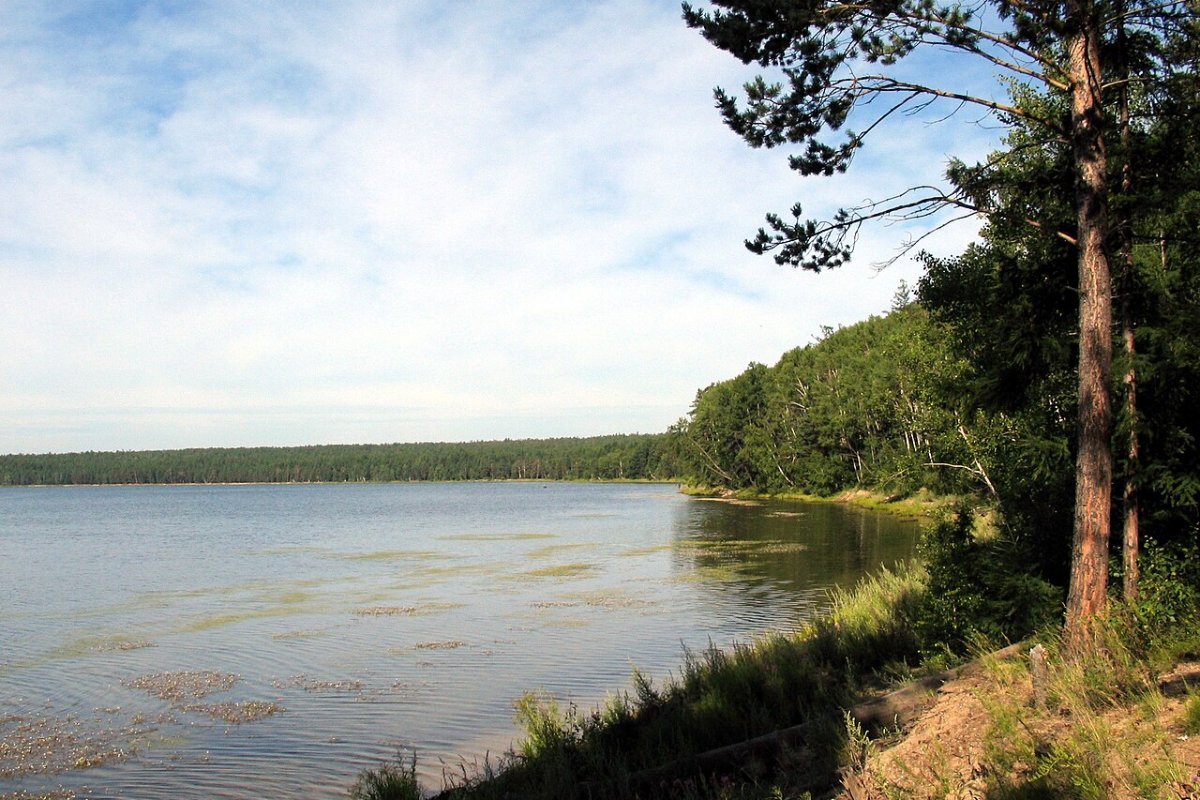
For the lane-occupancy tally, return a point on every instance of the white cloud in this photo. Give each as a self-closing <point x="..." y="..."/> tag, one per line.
<point x="301" y="223"/>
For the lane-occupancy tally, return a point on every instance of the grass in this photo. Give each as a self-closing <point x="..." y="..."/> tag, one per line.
<point x="1104" y="730"/>
<point x="718" y="697"/>
<point x="1191" y="715"/>
<point x="921" y="503"/>
<point x="388" y="781"/>
<point x="1084" y="743"/>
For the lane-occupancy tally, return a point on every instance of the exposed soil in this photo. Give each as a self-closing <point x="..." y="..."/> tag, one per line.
<point x="950" y="751"/>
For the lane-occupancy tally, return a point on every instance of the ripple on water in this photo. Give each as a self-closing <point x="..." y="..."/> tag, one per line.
<point x="389" y="633"/>
<point x="50" y="745"/>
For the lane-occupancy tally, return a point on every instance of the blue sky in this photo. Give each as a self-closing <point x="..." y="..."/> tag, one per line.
<point x="230" y="223"/>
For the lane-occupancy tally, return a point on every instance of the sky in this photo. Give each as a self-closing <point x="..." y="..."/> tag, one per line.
<point x="286" y="223"/>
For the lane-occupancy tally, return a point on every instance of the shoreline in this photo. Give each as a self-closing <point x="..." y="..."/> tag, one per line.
<point x="921" y="504"/>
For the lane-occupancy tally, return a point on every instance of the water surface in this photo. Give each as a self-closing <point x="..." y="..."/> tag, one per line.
<point x="252" y="641"/>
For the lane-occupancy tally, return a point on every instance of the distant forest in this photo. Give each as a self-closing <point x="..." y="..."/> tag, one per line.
<point x="623" y="457"/>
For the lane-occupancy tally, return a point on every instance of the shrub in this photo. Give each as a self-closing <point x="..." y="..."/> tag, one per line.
<point x="1167" y="611"/>
<point x="979" y="588"/>
<point x="388" y="781"/>
<point x="1191" y="715"/>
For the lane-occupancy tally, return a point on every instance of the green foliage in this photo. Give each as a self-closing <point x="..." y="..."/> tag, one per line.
<point x="1014" y="304"/>
<point x="388" y="781"/>
<point x="862" y="407"/>
<point x="1080" y="743"/>
<point x="1191" y="715"/>
<point x="623" y="457"/>
<point x="978" y="587"/>
<point x="1166" y="615"/>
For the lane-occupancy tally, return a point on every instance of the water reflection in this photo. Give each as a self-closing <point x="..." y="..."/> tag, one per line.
<point x="779" y="552"/>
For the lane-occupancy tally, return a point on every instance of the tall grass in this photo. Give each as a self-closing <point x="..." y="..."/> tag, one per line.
<point x="1099" y="733"/>
<point x="719" y="697"/>
<point x="1095" y="732"/>
<point x="1191" y="715"/>
<point x="388" y="781"/>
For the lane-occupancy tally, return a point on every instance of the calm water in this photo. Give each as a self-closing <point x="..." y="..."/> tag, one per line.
<point x="370" y="619"/>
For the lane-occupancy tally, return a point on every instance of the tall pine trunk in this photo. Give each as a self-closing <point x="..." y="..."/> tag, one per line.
<point x="1093" y="464"/>
<point x="1130" y="530"/>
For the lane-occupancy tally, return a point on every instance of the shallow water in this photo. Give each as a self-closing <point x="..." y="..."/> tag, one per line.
<point x="252" y="641"/>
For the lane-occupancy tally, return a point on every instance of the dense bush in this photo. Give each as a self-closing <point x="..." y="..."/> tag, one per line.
<point x="1166" y="613"/>
<point x="979" y="587"/>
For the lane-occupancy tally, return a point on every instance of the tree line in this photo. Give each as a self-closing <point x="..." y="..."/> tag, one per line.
<point x="1091" y="216"/>
<point x="619" y="457"/>
<point x="863" y="407"/>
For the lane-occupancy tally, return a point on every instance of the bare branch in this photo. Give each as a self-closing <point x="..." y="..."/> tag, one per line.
<point x="1002" y="63"/>
<point x="880" y="83"/>
<point x="911" y="244"/>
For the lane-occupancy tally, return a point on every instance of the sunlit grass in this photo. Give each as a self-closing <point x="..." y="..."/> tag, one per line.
<point x="1098" y="734"/>
<point x="1191" y="715"/>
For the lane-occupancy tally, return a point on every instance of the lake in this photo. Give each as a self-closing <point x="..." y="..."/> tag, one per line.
<point x="255" y="641"/>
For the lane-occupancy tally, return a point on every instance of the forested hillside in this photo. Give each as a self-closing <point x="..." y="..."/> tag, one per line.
<point x="628" y="457"/>
<point x="868" y="405"/>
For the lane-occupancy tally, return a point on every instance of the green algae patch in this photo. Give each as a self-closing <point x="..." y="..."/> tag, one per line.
<point x="351" y="685"/>
<point x="443" y="572"/>
<point x="293" y="597"/>
<point x="648" y="550"/>
<point x="385" y="611"/>
<point x="391" y="555"/>
<point x="497" y="537"/>
<point x="611" y="601"/>
<point x="776" y="548"/>
<point x="708" y="575"/>
<point x="406" y="611"/>
<point x="562" y="571"/>
<point x="51" y="745"/>
<point x="122" y="645"/>
<point x="552" y="550"/>
<point x="214" y="621"/>
<point x="306" y="633"/>
<point x="739" y="547"/>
